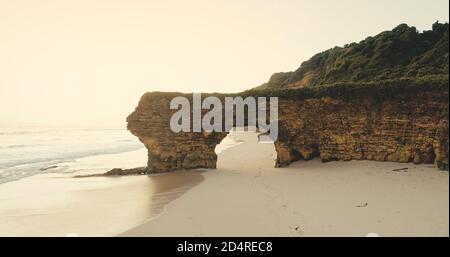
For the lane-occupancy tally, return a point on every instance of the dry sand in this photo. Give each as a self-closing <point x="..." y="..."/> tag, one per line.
<point x="245" y="196"/>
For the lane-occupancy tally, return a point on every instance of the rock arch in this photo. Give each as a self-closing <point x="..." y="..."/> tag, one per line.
<point x="400" y="128"/>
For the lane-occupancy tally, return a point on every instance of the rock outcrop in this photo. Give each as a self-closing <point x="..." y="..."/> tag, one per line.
<point x="401" y="127"/>
<point x="167" y="150"/>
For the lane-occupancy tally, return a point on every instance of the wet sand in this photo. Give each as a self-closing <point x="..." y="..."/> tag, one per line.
<point x="59" y="205"/>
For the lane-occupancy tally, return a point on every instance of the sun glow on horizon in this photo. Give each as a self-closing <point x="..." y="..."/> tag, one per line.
<point x="88" y="62"/>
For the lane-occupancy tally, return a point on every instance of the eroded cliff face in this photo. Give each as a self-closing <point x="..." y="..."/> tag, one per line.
<point x="398" y="129"/>
<point x="411" y="128"/>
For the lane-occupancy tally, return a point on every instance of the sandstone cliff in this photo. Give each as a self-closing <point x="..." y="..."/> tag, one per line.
<point x="406" y="125"/>
<point x="411" y="129"/>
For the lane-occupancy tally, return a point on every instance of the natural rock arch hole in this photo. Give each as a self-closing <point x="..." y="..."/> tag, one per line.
<point x="248" y="154"/>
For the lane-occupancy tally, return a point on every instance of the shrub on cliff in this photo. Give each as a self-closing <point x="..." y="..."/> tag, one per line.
<point x="381" y="89"/>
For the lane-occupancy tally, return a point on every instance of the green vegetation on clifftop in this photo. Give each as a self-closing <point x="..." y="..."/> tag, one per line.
<point x="403" y="53"/>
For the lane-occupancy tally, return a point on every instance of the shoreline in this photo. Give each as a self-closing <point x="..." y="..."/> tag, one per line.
<point x="60" y="204"/>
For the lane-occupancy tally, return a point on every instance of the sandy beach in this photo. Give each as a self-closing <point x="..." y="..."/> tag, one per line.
<point x="244" y="196"/>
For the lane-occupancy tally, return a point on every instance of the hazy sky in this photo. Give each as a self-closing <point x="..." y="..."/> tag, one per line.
<point x="88" y="62"/>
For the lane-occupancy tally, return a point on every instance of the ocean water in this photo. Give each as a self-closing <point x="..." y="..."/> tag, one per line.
<point x="29" y="151"/>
